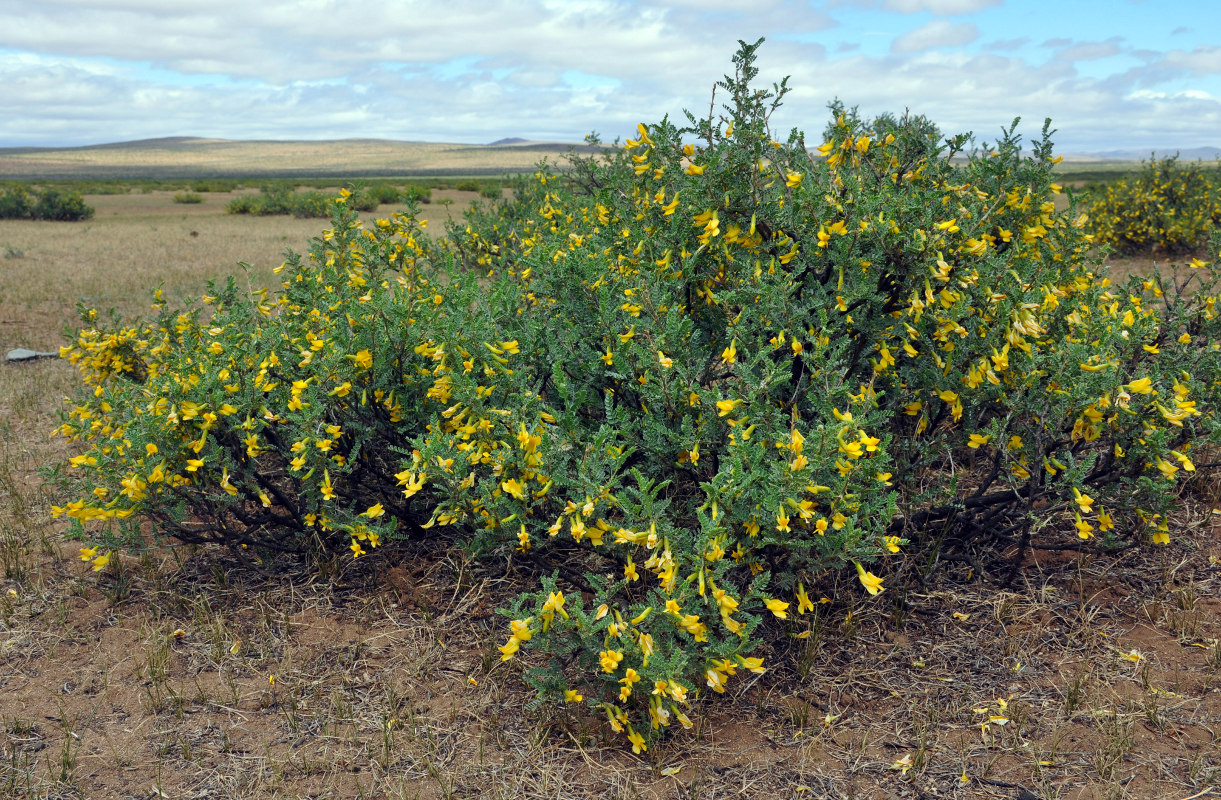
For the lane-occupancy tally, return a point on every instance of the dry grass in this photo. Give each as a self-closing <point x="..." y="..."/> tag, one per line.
<point x="1096" y="677"/>
<point x="207" y="157"/>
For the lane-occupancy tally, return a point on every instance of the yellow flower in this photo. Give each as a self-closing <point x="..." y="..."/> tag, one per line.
<point x="521" y="629"/>
<point x="88" y="553"/>
<point x="664" y="360"/>
<point x="514" y="488"/>
<point x="630" y="572"/>
<point x="374" y="511"/>
<point x="804" y="603"/>
<point x="104" y="559"/>
<point x="871" y="582"/>
<point x="509" y="648"/>
<point x="1084" y="529"/>
<point x="610" y="660"/>
<point x="363" y="359"/>
<point x="777" y="607"/>
<point x="572" y="696"/>
<point x="638" y="745"/>
<point x="726" y="407"/>
<point x="977" y="440"/>
<point x="692" y="169"/>
<point x="1140" y="386"/>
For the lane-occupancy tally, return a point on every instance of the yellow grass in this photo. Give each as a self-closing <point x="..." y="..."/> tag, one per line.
<point x="215" y="156"/>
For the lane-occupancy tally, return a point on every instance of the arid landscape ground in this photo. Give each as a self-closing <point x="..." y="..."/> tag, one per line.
<point x="182" y="673"/>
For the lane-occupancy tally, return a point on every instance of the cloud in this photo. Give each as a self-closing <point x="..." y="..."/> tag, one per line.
<point x="1200" y="61"/>
<point x="1007" y="44"/>
<point x="937" y="7"/>
<point x="940" y="7"/>
<point x="939" y="33"/>
<point x="1089" y="51"/>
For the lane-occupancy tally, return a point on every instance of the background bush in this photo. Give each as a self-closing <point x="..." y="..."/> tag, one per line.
<point x="18" y="202"/>
<point x="188" y="198"/>
<point x="1168" y="206"/>
<point x="697" y="382"/>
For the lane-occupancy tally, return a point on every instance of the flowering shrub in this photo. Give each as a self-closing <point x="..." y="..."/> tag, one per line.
<point x="1168" y="206"/>
<point x="691" y="379"/>
<point x="18" y="202"/>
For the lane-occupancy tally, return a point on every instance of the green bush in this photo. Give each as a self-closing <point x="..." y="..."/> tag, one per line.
<point x="18" y="202"/>
<point x="312" y="204"/>
<point x="214" y="185"/>
<point x="188" y="198"/>
<point x="278" y="199"/>
<point x="414" y="193"/>
<point x="383" y="193"/>
<point x="243" y="204"/>
<point x="694" y="381"/>
<point x="1168" y="206"/>
<point x="468" y="186"/>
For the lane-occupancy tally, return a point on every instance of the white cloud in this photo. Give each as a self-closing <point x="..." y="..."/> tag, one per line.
<point x="1089" y="51"/>
<point x="1198" y="61"/>
<point x="939" y="33"/>
<point x="945" y="7"/>
<point x="938" y="7"/>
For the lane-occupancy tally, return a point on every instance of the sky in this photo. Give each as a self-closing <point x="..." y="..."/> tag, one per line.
<point x="1112" y="74"/>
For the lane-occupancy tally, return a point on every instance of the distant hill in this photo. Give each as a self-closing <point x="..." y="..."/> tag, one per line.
<point x="1186" y="154"/>
<point x="193" y="157"/>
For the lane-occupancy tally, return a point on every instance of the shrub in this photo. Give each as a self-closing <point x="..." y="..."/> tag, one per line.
<point x="693" y="380"/>
<point x="1168" y="206"/>
<point x="414" y="193"/>
<point x="243" y="204"/>
<point x="18" y="202"/>
<point x="188" y="198"/>
<point x="468" y="186"/>
<point x="383" y="193"/>
<point x="312" y="204"/>
<point x="214" y="185"/>
<point x="280" y="199"/>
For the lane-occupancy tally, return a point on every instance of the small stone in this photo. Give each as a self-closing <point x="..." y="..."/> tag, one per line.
<point x="22" y="354"/>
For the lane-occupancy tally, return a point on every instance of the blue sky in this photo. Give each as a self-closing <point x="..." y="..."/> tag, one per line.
<point x="1122" y="74"/>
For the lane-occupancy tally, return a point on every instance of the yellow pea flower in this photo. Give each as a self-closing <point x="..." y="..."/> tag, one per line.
<point x="777" y="607"/>
<point x="871" y="582"/>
